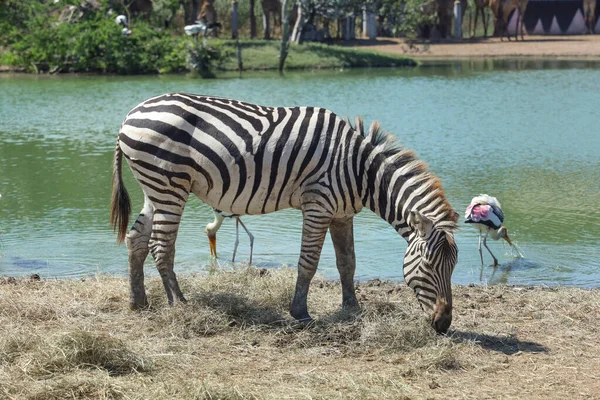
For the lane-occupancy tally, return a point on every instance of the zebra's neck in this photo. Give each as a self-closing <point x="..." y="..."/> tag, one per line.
<point x="395" y="183"/>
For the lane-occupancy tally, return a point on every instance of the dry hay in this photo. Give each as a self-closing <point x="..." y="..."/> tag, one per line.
<point x="235" y="339"/>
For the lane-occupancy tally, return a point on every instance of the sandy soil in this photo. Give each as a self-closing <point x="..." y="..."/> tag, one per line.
<point x="585" y="46"/>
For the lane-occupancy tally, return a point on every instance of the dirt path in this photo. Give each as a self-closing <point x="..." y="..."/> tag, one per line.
<point x="585" y="46"/>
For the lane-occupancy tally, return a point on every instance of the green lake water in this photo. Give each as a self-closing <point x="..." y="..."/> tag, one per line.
<point x="526" y="132"/>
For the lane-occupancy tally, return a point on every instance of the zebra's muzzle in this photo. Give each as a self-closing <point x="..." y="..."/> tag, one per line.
<point x="441" y="323"/>
<point x="442" y="316"/>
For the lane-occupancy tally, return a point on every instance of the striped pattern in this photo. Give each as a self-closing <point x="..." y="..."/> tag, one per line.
<point x="249" y="159"/>
<point x="429" y="284"/>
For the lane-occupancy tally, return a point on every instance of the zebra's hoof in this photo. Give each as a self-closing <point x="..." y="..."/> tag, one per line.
<point x="139" y="305"/>
<point x="305" y="323"/>
<point x="301" y="316"/>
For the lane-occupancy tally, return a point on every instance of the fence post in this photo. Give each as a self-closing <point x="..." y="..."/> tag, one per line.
<point x="457" y="19"/>
<point x="234" y="19"/>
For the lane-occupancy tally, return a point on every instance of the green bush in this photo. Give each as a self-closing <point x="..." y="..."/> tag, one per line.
<point x="203" y="57"/>
<point x="98" y="46"/>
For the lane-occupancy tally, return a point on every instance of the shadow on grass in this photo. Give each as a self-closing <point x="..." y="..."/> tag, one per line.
<point x="507" y="345"/>
<point x="240" y="309"/>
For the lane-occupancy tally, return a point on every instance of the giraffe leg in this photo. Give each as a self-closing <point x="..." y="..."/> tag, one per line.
<point x="485" y="23"/>
<point x="314" y="228"/>
<point x="251" y="236"/>
<point x="162" y="245"/>
<point x="137" y="244"/>
<point x="488" y="249"/>
<point x="475" y="24"/>
<point x="342" y="235"/>
<point x="522" y="17"/>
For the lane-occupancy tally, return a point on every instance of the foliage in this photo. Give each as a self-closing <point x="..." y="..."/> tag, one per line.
<point x="76" y="36"/>
<point x="204" y="57"/>
<point x="163" y="11"/>
<point x="406" y="16"/>
<point x="94" y="46"/>
<point x="14" y="16"/>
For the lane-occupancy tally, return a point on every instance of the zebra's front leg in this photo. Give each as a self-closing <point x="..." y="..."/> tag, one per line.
<point x="342" y="235"/>
<point x="162" y="245"/>
<point x="314" y="228"/>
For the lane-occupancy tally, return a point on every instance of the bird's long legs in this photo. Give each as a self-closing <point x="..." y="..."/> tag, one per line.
<point x="238" y="222"/>
<point x="488" y="249"/>
<point x="237" y="238"/>
<point x="479" y="247"/>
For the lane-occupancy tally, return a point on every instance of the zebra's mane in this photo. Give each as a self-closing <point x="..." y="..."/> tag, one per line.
<point x="395" y="154"/>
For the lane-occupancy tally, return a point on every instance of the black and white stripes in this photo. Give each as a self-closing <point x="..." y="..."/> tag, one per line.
<point x="249" y="159"/>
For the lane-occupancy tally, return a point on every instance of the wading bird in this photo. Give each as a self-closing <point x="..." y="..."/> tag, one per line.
<point x="122" y="21"/>
<point x="485" y="213"/>
<point x="200" y="28"/>
<point x="213" y="227"/>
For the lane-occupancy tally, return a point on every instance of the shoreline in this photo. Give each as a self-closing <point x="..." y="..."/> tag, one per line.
<point x="584" y="48"/>
<point x="581" y="47"/>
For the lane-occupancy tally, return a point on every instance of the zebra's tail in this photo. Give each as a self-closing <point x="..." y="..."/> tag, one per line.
<point x="120" y="206"/>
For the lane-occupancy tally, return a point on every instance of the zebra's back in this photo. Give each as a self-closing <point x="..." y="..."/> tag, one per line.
<point x="235" y="156"/>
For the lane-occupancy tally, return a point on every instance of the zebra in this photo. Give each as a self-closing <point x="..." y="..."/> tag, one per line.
<point x="250" y="159"/>
<point x="213" y="227"/>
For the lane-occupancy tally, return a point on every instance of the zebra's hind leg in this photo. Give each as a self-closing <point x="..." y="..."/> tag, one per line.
<point x="314" y="228"/>
<point x="342" y="235"/>
<point x="162" y="245"/>
<point x="137" y="243"/>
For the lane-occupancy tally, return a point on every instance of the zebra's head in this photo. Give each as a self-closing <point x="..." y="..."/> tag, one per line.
<point x="428" y="265"/>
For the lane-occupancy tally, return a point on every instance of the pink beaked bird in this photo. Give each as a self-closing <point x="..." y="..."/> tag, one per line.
<point x="485" y="214"/>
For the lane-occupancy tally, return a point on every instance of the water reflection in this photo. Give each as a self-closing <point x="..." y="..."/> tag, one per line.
<point x="468" y="66"/>
<point x="506" y="128"/>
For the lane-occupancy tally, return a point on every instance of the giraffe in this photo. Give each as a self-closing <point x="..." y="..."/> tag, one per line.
<point x="521" y="7"/>
<point x="208" y="15"/>
<point x="501" y="10"/>
<point x="480" y="6"/>
<point x="271" y="7"/>
<point x="589" y="13"/>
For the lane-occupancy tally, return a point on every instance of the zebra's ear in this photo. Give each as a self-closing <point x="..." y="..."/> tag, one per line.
<point x="420" y="223"/>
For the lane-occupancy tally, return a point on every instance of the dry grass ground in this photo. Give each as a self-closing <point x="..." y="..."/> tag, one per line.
<point x="65" y="339"/>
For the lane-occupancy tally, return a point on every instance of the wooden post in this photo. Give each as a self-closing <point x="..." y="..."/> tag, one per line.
<point x="349" y="33"/>
<point x="369" y="24"/>
<point x="252" y="21"/>
<point x="285" y="33"/>
<point x="234" y="19"/>
<point x="457" y="19"/>
<point x="234" y="33"/>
